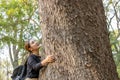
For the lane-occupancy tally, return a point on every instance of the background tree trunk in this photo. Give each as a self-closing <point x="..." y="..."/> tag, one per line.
<point x="76" y="32"/>
<point x="13" y="53"/>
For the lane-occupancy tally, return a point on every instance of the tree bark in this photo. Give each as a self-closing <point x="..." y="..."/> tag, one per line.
<point x="75" y="32"/>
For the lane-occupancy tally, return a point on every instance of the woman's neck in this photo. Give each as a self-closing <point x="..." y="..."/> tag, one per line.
<point x="36" y="52"/>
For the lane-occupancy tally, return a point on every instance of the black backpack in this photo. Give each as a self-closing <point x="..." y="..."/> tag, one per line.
<point x="19" y="73"/>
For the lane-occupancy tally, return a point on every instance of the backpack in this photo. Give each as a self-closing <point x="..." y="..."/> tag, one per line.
<point x="19" y="73"/>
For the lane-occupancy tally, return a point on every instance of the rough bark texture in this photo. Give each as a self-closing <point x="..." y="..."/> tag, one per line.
<point x="75" y="31"/>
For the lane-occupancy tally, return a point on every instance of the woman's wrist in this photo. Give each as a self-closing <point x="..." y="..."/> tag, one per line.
<point x="44" y="62"/>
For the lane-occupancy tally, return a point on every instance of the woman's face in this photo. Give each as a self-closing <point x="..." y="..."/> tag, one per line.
<point x="34" y="45"/>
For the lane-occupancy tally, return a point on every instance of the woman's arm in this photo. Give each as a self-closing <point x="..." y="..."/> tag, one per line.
<point x="48" y="59"/>
<point x="35" y="65"/>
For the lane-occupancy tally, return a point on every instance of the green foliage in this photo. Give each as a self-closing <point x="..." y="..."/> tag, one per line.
<point x="15" y="20"/>
<point x="118" y="70"/>
<point x="115" y="43"/>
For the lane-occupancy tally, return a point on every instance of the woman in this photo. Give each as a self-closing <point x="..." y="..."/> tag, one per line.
<point x="34" y="63"/>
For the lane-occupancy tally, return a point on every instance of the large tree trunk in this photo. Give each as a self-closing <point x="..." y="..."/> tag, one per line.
<point x="75" y="31"/>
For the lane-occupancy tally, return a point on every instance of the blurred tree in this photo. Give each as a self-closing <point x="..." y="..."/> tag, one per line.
<point x="18" y="22"/>
<point x="5" y="69"/>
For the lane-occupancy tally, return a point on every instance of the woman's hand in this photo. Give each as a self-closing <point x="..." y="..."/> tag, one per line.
<point x="48" y="59"/>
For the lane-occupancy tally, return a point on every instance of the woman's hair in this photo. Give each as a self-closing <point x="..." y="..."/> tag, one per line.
<point x="27" y="45"/>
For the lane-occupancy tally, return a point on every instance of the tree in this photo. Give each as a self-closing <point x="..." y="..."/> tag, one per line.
<point x="76" y="32"/>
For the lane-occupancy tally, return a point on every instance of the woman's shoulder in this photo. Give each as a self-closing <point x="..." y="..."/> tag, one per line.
<point x="30" y="56"/>
<point x="33" y="56"/>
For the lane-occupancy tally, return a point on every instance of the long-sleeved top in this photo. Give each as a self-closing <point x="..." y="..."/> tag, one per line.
<point x="33" y="66"/>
